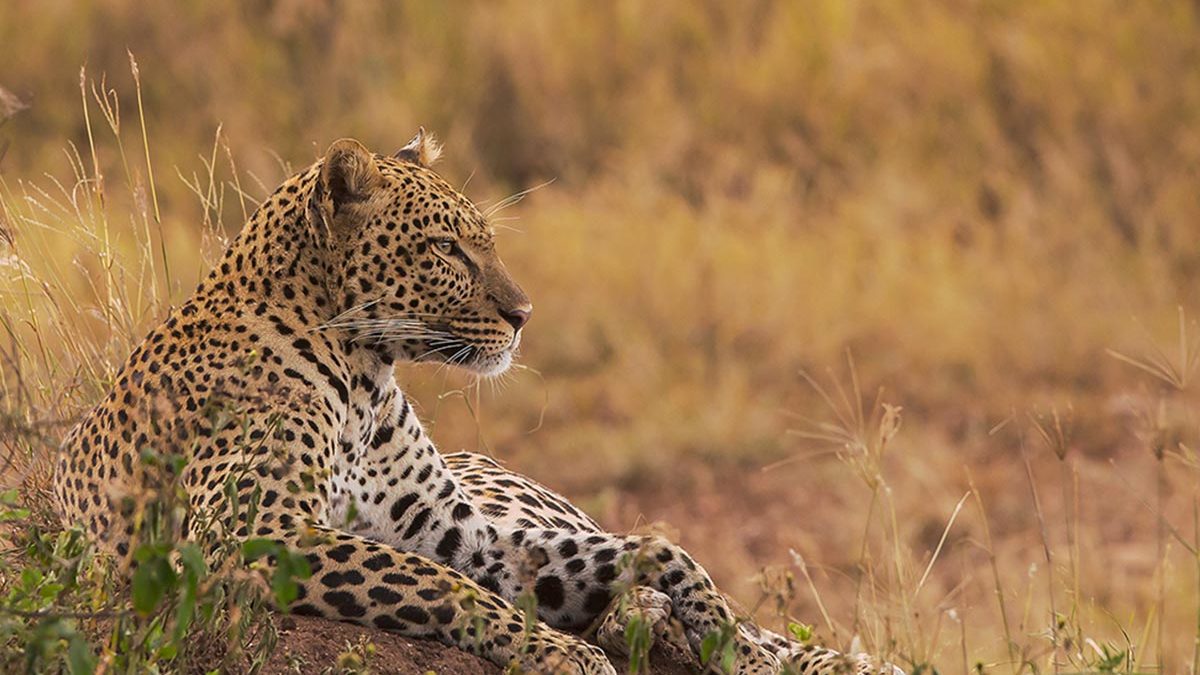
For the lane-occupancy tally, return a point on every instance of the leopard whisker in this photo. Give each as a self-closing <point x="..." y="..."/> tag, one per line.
<point x="354" y="309"/>
<point x="455" y="359"/>
<point x="449" y="344"/>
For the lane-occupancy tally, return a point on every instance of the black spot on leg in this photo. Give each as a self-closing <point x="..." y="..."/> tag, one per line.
<point x="384" y="595"/>
<point x="444" y="614"/>
<point x="568" y="548"/>
<point x="450" y="543"/>
<point x="307" y="610"/>
<point x="349" y="577"/>
<point x="401" y="579"/>
<point x="549" y="591"/>
<point x="606" y="573"/>
<point x="387" y="623"/>
<point x="341" y="553"/>
<point x="378" y="562"/>
<point x="344" y="603"/>
<point x="401" y="505"/>
<point x="671" y="579"/>
<point x="417" y="523"/>
<point x="430" y="594"/>
<point x="413" y="614"/>
<point x="596" y="601"/>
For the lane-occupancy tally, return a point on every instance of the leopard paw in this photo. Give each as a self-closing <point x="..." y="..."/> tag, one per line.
<point x="640" y="606"/>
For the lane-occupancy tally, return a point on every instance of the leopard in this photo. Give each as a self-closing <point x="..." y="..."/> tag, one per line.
<point x="275" y="381"/>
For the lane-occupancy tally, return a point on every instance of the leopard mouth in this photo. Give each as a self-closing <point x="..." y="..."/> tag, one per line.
<point x="455" y="350"/>
<point x="422" y="340"/>
<point x="452" y="350"/>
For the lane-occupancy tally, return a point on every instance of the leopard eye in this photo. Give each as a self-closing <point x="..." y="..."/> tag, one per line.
<point x="445" y="246"/>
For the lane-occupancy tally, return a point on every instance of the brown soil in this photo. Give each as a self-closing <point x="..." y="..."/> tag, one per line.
<point x="308" y="645"/>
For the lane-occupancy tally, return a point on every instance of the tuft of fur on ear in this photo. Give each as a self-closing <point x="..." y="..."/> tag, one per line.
<point x="349" y="172"/>
<point x="422" y="150"/>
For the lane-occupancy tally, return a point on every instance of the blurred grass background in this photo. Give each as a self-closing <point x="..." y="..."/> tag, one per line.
<point x="976" y="199"/>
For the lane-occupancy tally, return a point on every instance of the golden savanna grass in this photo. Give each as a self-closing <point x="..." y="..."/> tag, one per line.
<point x="893" y="299"/>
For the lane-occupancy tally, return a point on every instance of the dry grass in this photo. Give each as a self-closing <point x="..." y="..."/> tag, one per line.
<point x="993" y="206"/>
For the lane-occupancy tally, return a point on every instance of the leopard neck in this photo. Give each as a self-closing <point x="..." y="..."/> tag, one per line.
<point x="279" y="271"/>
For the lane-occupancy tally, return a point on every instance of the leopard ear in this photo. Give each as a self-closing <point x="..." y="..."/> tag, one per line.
<point x="422" y="150"/>
<point x="349" y="173"/>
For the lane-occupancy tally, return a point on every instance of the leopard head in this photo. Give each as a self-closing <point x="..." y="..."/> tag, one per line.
<point x="414" y="271"/>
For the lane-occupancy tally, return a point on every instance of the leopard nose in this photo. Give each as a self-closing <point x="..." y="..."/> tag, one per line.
<point x="517" y="317"/>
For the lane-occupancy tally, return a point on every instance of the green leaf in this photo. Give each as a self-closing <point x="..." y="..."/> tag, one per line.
<point x="193" y="569"/>
<point x="80" y="659"/>
<point x="637" y="638"/>
<point x="13" y="514"/>
<point x="193" y="560"/>
<point x="252" y="508"/>
<point x="288" y="567"/>
<point x="284" y="588"/>
<point x="728" y="656"/>
<point x="151" y="581"/>
<point x="148" y="552"/>
<point x="299" y="564"/>
<point x="253" y="549"/>
<point x="708" y="646"/>
<point x="801" y="631"/>
<point x="146" y="590"/>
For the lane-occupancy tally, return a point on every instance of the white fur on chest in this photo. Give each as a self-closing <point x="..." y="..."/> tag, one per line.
<point x="389" y="483"/>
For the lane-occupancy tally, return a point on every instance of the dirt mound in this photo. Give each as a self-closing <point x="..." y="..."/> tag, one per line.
<point x="308" y="645"/>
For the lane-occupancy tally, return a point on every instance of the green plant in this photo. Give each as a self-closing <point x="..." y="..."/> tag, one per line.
<point x="718" y="648"/>
<point x="355" y="659"/>
<point x="194" y="599"/>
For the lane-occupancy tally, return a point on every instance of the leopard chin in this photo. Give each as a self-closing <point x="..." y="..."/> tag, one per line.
<point x="492" y="365"/>
<point x="489" y="364"/>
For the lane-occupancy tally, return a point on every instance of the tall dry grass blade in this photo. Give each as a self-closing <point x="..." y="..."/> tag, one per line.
<point x="799" y="562"/>
<point x="941" y="542"/>
<point x="162" y="242"/>
<point x="1046" y="553"/>
<point x="1196" y="562"/>
<point x="1159" y="365"/>
<point x="1160" y="539"/>
<point x="1157" y="513"/>
<point x="997" y="586"/>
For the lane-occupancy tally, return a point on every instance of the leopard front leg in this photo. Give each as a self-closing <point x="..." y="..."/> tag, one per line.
<point x="577" y="576"/>
<point x="406" y="495"/>
<point x="360" y="581"/>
